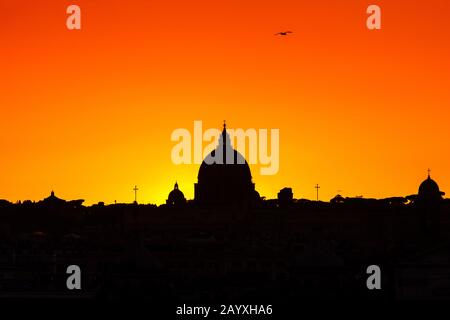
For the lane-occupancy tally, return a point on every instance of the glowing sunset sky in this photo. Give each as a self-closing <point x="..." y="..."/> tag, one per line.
<point x="89" y="113"/>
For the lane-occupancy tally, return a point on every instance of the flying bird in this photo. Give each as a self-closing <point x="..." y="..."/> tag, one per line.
<point x="283" y="33"/>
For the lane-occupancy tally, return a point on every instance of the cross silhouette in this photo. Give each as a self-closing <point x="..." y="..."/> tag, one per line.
<point x="317" y="187"/>
<point x="135" y="193"/>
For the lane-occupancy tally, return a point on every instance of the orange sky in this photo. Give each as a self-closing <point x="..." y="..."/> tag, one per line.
<point x="89" y="113"/>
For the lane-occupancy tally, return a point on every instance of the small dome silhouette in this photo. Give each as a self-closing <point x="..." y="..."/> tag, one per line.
<point x="429" y="189"/>
<point x="52" y="199"/>
<point x="176" y="197"/>
<point x="338" y="199"/>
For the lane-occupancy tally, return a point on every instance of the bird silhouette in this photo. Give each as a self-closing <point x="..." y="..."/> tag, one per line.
<point x="283" y="33"/>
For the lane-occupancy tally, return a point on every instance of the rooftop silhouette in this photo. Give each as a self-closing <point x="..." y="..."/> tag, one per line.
<point x="224" y="177"/>
<point x="228" y="243"/>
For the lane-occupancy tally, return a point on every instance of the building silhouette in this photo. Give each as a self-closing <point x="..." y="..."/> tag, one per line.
<point x="285" y="196"/>
<point x="429" y="190"/>
<point x="53" y="201"/>
<point x="428" y="202"/>
<point x="224" y="178"/>
<point x="176" y="197"/>
<point x="282" y="250"/>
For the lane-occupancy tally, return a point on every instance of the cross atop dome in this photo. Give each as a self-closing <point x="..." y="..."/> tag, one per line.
<point x="224" y="139"/>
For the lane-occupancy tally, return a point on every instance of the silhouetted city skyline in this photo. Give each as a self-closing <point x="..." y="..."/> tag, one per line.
<point x="121" y="182"/>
